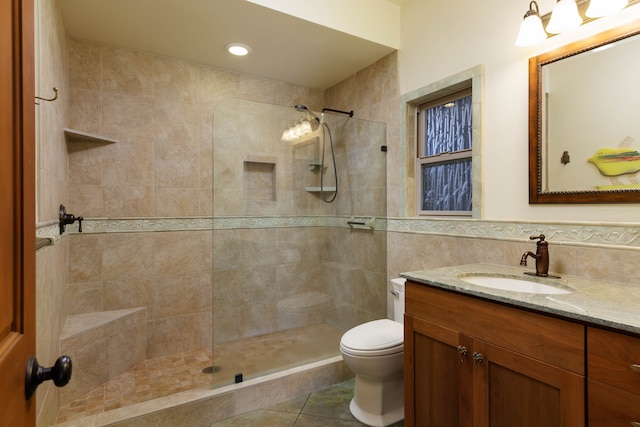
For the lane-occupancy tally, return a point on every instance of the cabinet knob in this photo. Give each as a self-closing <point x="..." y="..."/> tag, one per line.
<point x="462" y="351"/>
<point x="478" y="358"/>
<point x="635" y="368"/>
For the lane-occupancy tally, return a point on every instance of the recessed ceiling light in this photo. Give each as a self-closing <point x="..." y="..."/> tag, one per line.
<point x="238" y="49"/>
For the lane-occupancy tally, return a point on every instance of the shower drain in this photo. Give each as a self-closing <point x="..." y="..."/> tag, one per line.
<point x="211" y="369"/>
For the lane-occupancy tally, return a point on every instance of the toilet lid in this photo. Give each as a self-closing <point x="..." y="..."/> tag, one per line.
<point x="383" y="334"/>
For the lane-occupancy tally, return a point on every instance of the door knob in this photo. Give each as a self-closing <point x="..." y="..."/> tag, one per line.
<point x="60" y="373"/>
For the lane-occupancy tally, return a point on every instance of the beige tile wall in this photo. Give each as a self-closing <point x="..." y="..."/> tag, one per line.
<point x="161" y="110"/>
<point x="373" y="94"/>
<point x="169" y="273"/>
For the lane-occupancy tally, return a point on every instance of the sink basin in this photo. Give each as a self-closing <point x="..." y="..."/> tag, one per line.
<point x="514" y="284"/>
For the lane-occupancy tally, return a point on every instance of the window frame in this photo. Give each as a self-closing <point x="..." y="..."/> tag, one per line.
<point x="409" y="101"/>
<point x="440" y="158"/>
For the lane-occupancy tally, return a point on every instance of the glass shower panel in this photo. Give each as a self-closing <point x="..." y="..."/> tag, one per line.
<point x="289" y="274"/>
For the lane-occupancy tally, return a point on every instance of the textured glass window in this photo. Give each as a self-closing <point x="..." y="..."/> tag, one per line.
<point x="448" y="127"/>
<point x="444" y="158"/>
<point x="447" y="186"/>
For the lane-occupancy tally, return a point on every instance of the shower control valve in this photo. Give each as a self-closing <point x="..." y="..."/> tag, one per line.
<point x="67" y="219"/>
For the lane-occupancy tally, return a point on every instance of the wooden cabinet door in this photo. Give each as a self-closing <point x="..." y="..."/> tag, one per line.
<point x="17" y="210"/>
<point x="612" y="407"/>
<point x="437" y="376"/>
<point x="514" y="390"/>
<point x="613" y="361"/>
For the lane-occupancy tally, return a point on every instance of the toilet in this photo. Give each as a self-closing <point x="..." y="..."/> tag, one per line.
<point x="375" y="352"/>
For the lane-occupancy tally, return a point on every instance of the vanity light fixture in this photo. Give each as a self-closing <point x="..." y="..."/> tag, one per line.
<point x="531" y="31"/>
<point x="564" y="17"/>
<point x="238" y="49"/>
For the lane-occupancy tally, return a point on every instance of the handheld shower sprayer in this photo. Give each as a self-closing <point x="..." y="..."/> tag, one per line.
<point x="323" y="125"/>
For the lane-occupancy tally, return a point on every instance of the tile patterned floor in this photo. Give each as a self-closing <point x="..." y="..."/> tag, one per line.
<point x="163" y="376"/>
<point x="151" y="379"/>
<point x="274" y="352"/>
<point x="327" y="407"/>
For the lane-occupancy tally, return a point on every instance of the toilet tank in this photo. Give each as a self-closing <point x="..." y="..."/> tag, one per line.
<point x="397" y="291"/>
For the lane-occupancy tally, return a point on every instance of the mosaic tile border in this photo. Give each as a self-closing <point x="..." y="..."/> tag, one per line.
<point x="582" y="234"/>
<point x="623" y="235"/>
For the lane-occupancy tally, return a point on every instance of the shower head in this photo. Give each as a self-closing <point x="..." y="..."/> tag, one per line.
<point x="304" y="109"/>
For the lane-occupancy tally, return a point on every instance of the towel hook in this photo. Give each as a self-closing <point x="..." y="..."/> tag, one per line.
<point x="55" y="96"/>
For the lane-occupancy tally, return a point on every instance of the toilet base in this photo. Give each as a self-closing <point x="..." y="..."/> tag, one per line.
<point x="376" y="420"/>
<point x="378" y="403"/>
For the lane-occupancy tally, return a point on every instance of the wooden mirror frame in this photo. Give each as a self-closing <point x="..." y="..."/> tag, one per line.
<point x="536" y="195"/>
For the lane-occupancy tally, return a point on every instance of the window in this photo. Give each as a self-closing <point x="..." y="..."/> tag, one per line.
<point x="444" y="155"/>
<point x="415" y="152"/>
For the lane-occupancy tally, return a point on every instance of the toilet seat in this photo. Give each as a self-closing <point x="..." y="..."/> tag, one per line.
<point x="376" y="338"/>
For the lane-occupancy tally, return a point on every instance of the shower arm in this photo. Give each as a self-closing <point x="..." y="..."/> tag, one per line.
<point x="331" y="110"/>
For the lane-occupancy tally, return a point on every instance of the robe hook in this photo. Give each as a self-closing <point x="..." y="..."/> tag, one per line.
<point x="55" y="96"/>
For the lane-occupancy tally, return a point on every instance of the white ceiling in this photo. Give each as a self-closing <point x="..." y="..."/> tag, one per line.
<point x="284" y="47"/>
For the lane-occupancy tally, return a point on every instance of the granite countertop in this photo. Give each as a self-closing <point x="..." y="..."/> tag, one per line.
<point x="610" y="304"/>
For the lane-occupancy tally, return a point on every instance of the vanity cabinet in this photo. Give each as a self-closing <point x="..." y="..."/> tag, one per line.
<point x="613" y="364"/>
<point x="471" y="362"/>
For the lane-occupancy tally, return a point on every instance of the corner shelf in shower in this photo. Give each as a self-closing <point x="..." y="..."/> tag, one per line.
<point x="317" y="189"/>
<point x="73" y="135"/>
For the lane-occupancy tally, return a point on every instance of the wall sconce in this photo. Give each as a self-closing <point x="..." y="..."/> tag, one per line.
<point x="566" y="15"/>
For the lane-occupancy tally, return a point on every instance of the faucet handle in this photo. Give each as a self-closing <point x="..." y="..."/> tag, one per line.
<point x="541" y="237"/>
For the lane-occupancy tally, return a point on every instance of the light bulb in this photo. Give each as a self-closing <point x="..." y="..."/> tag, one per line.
<point x="564" y="17"/>
<point x="531" y="31"/>
<point x="306" y="127"/>
<point x="238" y="49"/>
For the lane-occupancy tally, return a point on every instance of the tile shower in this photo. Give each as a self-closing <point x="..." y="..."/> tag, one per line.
<point x="272" y="259"/>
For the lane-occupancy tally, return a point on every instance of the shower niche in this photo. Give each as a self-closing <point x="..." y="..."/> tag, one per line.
<point x="260" y="180"/>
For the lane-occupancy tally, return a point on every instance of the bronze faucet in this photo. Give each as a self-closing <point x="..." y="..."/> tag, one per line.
<point x="541" y="256"/>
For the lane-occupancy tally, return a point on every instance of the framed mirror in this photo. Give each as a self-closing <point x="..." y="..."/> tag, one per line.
<point x="584" y="120"/>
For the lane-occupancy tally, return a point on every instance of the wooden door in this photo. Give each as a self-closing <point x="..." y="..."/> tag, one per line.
<point x="511" y="389"/>
<point x="437" y="375"/>
<point x="17" y="210"/>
